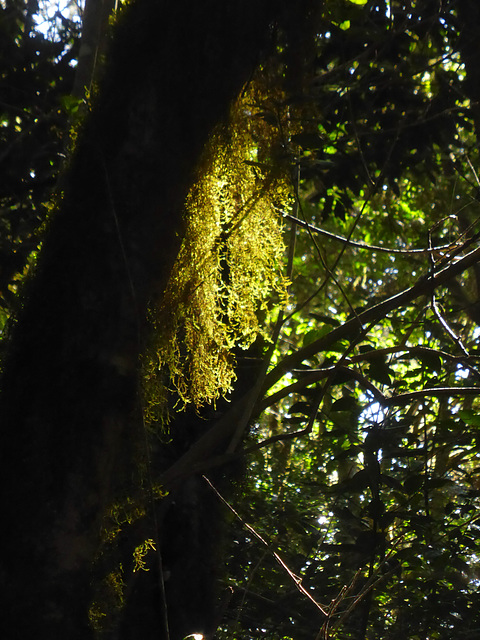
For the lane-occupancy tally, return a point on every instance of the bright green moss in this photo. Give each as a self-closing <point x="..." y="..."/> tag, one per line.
<point x="230" y="262"/>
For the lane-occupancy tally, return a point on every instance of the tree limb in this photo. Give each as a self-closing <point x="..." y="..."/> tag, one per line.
<point x="423" y="286"/>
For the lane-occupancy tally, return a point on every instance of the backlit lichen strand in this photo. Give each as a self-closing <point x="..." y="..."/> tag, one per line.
<point x="230" y="262"/>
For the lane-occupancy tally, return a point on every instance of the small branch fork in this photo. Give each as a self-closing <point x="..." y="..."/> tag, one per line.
<point x="371" y="583"/>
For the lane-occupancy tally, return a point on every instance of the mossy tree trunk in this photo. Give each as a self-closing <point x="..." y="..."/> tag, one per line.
<point x="96" y="15"/>
<point x="69" y="407"/>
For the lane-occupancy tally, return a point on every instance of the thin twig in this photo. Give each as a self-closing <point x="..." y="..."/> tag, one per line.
<point x="363" y="245"/>
<point x="373" y="315"/>
<point x="435" y="392"/>
<point x="296" y="580"/>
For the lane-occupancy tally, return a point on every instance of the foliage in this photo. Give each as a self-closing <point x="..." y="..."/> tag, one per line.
<point x="363" y="472"/>
<point x="36" y="76"/>
<point x="363" y="486"/>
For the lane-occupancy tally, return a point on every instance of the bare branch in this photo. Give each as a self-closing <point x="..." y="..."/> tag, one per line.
<point x="361" y="245"/>
<point x="296" y="580"/>
<point x="435" y="392"/>
<point x="373" y="315"/>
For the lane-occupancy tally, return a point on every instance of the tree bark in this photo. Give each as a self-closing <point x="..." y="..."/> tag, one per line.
<point x="469" y="25"/>
<point x="96" y="14"/>
<point x="69" y="408"/>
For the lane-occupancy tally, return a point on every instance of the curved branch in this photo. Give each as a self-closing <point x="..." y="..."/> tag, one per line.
<point x="435" y="392"/>
<point x="373" y="315"/>
<point x="314" y="375"/>
<point x="215" y="439"/>
<point x="360" y="245"/>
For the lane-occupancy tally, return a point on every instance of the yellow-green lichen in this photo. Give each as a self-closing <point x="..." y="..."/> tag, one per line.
<point x="108" y="602"/>
<point x="230" y="262"/>
<point x="140" y="553"/>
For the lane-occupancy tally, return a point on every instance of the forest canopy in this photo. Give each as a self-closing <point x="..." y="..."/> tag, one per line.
<point x="241" y="322"/>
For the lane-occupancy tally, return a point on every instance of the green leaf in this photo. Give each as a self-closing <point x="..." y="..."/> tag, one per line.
<point x="469" y="417"/>
<point x="315" y="334"/>
<point x="430" y="360"/>
<point x="326" y="319"/>
<point x="341" y="377"/>
<point x="303" y="408"/>
<point x="349" y="403"/>
<point x="380" y="372"/>
<point x="413" y="483"/>
<point x="70" y="103"/>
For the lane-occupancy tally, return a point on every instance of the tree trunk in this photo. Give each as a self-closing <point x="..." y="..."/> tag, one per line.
<point x="469" y="24"/>
<point x="96" y="14"/>
<point x="69" y="410"/>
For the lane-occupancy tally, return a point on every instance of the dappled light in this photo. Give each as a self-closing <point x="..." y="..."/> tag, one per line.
<point x="241" y="342"/>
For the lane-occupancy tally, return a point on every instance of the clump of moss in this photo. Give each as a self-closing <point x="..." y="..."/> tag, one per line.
<point x="230" y="262"/>
<point x="109" y="600"/>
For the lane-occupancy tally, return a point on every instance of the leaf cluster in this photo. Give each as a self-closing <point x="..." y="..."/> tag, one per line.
<point x="363" y="472"/>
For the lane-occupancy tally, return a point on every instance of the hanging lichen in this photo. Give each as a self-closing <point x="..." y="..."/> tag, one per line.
<point x="230" y="262"/>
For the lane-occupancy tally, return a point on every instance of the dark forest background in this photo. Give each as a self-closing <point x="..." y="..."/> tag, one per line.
<point x="325" y="482"/>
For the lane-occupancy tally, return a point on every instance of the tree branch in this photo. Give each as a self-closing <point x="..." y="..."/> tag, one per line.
<point x="435" y="392"/>
<point x="423" y="286"/>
